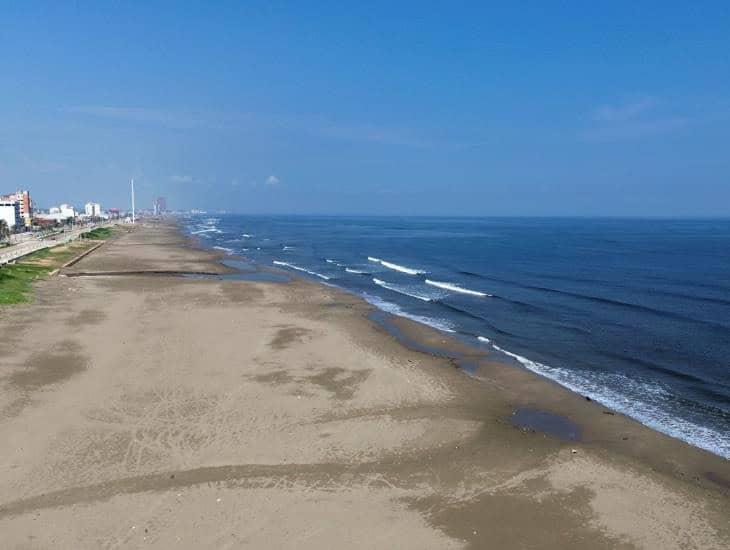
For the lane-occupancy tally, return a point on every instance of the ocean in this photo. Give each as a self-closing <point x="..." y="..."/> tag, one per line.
<point x="632" y="313"/>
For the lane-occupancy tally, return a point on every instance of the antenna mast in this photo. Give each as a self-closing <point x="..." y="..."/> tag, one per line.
<point x="133" y="217"/>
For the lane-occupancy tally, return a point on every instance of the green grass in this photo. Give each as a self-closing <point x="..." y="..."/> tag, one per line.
<point x="37" y="255"/>
<point x="16" y="279"/>
<point x="100" y="233"/>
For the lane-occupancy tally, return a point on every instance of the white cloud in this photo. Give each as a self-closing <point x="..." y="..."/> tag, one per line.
<point x="272" y="180"/>
<point x="319" y="126"/>
<point x="138" y="115"/>
<point x="641" y="117"/>
<point x="626" y="111"/>
<point x="637" y="129"/>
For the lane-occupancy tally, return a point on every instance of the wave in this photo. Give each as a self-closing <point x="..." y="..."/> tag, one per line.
<point x="356" y="271"/>
<point x="228" y="251"/>
<point x="400" y="290"/>
<point x="389" y="307"/>
<point x="330" y="261"/>
<point x="484" y="339"/>
<point x="396" y="267"/>
<point x="696" y="298"/>
<point x="246" y="236"/>
<point x="610" y="302"/>
<point x="288" y="248"/>
<point x="305" y="270"/>
<point x="483" y="320"/>
<point x="666" y="369"/>
<point x="634" y="307"/>
<point x="630" y="399"/>
<point x="456" y="288"/>
<point x="471" y="274"/>
<point x="206" y="230"/>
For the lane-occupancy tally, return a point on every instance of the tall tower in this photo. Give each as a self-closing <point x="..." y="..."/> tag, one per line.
<point x="133" y="218"/>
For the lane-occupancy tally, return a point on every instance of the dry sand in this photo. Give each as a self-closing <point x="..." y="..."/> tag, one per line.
<point x="153" y="410"/>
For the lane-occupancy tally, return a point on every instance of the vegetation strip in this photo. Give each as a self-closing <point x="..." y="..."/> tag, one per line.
<point x="16" y="279"/>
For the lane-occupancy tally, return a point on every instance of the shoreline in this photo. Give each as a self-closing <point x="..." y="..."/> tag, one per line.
<point x="671" y="386"/>
<point x="203" y="411"/>
<point x="479" y="363"/>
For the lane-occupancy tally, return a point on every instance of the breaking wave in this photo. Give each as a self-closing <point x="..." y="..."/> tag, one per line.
<point x="401" y="290"/>
<point x="396" y="267"/>
<point x="303" y="269"/>
<point x="455" y="288"/>
<point x="629" y="398"/>
<point x="389" y="307"/>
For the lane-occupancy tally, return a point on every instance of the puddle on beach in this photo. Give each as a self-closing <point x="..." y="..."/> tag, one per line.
<point x="245" y="271"/>
<point x="546" y="422"/>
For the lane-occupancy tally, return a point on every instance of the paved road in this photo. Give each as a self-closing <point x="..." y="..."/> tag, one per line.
<point x="27" y="247"/>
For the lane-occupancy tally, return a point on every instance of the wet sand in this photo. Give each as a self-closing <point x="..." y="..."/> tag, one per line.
<point x="143" y="406"/>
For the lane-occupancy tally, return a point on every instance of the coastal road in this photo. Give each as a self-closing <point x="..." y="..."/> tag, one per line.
<point x="31" y="245"/>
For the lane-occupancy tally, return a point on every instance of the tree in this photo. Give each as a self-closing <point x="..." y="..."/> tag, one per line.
<point x="4" y="231"/>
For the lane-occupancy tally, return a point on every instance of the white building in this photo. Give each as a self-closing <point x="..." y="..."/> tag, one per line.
<point x="24" y="202"/>
<point x="10" y="212"/>
<point x="67" y="211"/>
<point x="58" y="214"/>
<point x="93" y="209"/>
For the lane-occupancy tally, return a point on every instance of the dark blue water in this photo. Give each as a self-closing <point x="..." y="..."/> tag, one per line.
<point x="633" y="313"/>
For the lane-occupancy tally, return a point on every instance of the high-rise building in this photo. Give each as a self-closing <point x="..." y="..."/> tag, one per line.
<point x="25" y="205"/>
<point x="10" y="213"/>
<point x="93" y="209"/>
<point x="159" y="205"/>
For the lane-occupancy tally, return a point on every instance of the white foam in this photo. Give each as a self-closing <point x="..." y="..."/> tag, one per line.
<point x="395" y="309"/>
<point x="400" y="289"/>
<point x="455" y="288"/>
<point x="288" y="248"/>
<point x="206" y="230"/>
<point x="396" y="267"/>
<point x="357" y="271"/>
<point x="631" y="400"/>
<point x="292" y="266"/>
<point x="228" y="251"/>
<point x="246" y="236"/>
<point x="484" y="339"/>
<point x="330" y="261"/>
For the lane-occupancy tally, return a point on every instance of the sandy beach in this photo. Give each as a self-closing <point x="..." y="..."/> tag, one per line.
<point x="143" y="407"/>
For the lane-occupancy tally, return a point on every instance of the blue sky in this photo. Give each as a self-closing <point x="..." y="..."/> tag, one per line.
<point x="536" y="108"/>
